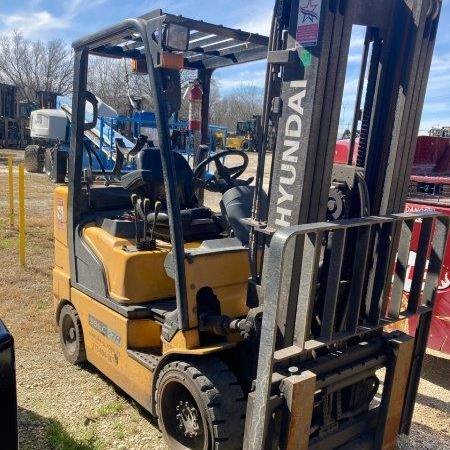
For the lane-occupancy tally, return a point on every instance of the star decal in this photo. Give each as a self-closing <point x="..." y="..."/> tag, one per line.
<point x="309" y="12"/>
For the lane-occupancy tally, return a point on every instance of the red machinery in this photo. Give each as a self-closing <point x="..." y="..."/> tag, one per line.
<point x="429" y="190"/>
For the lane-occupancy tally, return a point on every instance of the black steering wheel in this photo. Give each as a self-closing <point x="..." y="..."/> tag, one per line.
<point x="224" y="177"/>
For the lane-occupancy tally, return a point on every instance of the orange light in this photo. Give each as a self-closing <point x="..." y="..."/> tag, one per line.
<point x="172" y="61"/>
<point x="139" y="66"/>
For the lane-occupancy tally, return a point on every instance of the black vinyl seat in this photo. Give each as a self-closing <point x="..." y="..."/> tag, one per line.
<point x="199" y="223"/>
<point x="150" y="159"/>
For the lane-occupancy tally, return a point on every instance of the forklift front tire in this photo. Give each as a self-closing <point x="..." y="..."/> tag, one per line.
<point x="200" y="405"/>
<point x="71" y="335"/>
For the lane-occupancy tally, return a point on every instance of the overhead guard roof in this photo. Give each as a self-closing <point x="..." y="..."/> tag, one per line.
<point x="210" y="46"/>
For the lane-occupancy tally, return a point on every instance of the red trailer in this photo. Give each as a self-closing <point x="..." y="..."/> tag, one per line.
<point x="429" y="190"/>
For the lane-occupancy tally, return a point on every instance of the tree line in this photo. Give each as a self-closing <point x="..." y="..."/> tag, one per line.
<point x="36" y="65"/>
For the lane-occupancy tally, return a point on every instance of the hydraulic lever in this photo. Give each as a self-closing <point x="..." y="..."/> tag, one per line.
<point x="134" y="201"/>
<point x="146" y="209"/>
<point x="152" y="235"/>
<point x="144" y="244"/>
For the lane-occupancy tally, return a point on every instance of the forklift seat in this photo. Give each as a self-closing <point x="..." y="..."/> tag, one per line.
<point x="150" y="159"/>
<point x="199" y="223"/>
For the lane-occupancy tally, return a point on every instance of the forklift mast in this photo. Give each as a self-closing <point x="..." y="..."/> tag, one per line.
<point x="326" y="287"/>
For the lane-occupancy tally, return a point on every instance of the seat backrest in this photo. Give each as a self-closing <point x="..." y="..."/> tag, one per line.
<point x="150" y="159"/>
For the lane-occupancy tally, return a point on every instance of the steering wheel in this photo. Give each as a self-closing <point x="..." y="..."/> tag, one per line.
<point x="224" y="177"/>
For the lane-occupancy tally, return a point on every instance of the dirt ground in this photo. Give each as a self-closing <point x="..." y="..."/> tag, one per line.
<point x="63" y="407"/>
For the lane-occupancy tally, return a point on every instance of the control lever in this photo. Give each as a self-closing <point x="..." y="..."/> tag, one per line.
<point x="152" y="235"/>
<point x="146" y="209"/>
<point x="144" y="244"/>
<point x="134" y="201"/>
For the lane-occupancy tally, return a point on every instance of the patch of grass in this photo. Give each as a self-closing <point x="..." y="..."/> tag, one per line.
<point x="8" y="242"/>
<point x="110" y="408"/>
<point x="120" y="430"/>
<point x="59" y="439"/>
<point x="134" y="429"/>
<point x="42" y="305"/>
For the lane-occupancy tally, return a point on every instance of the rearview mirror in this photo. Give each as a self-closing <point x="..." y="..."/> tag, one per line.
<point x="176" y="37"/>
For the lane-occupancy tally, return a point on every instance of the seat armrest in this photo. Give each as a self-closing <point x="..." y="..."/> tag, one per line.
<point x="136" y="179"/>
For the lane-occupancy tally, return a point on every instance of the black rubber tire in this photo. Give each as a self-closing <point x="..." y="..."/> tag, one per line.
<point x="60" y="176"/>
<point x="219" y="400"/>
<point x="247" y="146"/>
<point x="34" y="159"/>
<point x="71" y="335"/>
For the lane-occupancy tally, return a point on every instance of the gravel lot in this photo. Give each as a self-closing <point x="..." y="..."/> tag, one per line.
<point x="63" y="407"/>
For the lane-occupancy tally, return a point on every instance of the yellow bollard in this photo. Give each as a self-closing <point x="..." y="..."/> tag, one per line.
<point x="11" y="190"/>
<point x="21" y="215"/>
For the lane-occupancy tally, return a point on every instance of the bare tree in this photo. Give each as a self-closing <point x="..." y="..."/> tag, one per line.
<point x="113" y="82"/>
<point x="35" y="65"/>
<point x="241" y="104"/>
<point x="107" y="79"/>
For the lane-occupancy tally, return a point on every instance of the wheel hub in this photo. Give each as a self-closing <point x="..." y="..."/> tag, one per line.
<point x="188" y="419"/>
<point x="72" y="333"/>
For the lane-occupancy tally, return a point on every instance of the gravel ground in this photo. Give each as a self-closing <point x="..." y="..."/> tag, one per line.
<point x="63" y="407"/>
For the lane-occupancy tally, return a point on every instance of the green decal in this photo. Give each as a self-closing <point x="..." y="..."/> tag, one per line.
<point x="305" y="57"/>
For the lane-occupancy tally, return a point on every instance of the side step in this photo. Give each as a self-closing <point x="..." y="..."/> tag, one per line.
<point x="148" y="357"/>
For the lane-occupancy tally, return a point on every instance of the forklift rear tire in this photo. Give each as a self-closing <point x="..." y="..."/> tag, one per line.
<point x="34" y="159"/>
<point x="200" y="405"/>
<point x="71" y="335"/>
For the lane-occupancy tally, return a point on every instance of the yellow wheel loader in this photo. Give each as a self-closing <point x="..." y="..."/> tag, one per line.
<point x="260" y="323"/>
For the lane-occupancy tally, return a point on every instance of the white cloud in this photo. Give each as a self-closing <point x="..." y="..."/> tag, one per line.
<point x="41" y="24"/>
<point x="35" y="23"/>
<point x="74" y="7"/>
<point x="258" y="23"/>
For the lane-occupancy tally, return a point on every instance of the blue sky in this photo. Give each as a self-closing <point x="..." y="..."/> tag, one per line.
<point x="71" y="19"/>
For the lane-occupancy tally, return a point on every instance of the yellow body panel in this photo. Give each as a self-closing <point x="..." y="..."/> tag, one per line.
<point x="235" y="142"/>
<point x="143" y="333"/>
<point x="133" y="277"/>
<point x="61" y="286"/>
<point x="226" y="273"/>
<point x="61" y="271"/>
<point x="206" y="350"/>
<point x="106" y="334"/>
<point x="60" y="217"/>
<point x="184" y="340"/>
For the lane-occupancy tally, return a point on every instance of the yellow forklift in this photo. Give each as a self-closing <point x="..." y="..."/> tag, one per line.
<point x="247" y="135"/>
<point x="261" y="324"/>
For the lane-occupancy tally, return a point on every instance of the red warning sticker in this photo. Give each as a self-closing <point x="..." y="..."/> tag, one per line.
<point x="308" y="22"/>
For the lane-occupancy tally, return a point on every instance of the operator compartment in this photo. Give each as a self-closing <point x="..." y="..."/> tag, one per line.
<point x="130" y="237"/>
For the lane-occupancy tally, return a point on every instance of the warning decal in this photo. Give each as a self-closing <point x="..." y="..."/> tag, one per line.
<point x="60" y="213"/>
<point x="308" y="22"/>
